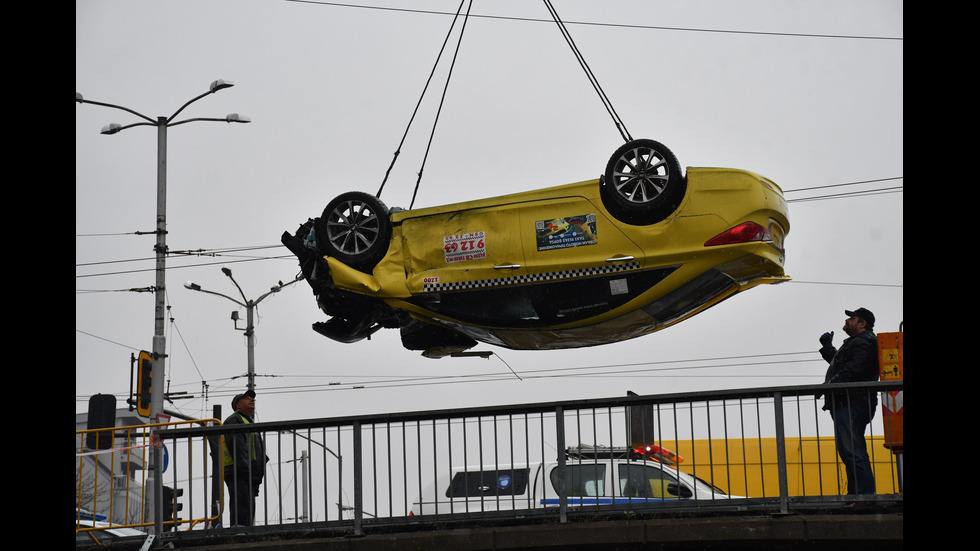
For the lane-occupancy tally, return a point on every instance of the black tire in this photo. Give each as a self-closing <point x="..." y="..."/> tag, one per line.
<point x="355" y="229"/>
<point x="643" y="183"/>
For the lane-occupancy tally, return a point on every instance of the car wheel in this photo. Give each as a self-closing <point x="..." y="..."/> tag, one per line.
<point x="643" y="183"/>
<point x="355" y="229"/>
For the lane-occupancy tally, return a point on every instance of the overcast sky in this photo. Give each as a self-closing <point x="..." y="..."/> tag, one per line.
<point x="809" y="94"/>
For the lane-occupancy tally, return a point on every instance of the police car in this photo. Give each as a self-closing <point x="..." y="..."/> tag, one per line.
<point x="593" y="476"/>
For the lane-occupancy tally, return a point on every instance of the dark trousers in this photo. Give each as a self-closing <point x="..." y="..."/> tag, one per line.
<point x="850" y="424"/>
<point x="241" y="501"/>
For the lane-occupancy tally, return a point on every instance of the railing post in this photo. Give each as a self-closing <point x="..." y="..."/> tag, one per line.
<point x="777" y="398"/>
<point x="340" y="484"/>
<point x="791" y="424"/>
<point x="560" y="443"/>
<point x="358" y="482"/>
<point x="217" y="496"/>
<point x="304" y="461"/>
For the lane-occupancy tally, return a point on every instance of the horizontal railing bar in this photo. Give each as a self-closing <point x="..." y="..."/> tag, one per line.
<point x="540" y="407"/>
<point x="766" y="449"/>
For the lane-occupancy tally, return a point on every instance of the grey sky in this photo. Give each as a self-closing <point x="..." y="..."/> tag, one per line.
<point x="809" y="94"/>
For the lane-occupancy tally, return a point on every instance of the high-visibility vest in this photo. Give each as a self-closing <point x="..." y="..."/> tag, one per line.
<point x="249" y="441"/>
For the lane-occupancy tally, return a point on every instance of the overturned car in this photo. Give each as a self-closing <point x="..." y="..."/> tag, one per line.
<point x="600" y="261"/>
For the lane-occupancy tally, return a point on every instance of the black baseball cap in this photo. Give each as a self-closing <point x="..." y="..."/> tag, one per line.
<point x="234" y="401"/>
<point x="864" y="314"/>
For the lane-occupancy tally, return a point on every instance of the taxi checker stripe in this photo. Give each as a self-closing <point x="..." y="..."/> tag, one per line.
<point x="530" y="278"/>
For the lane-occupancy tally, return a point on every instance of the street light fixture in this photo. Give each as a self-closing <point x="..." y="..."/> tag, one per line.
<point x="114" y="128"/>
<point x="249" y="306"/>
<point x="162" y="124"/>
<point x="159" y="338"/>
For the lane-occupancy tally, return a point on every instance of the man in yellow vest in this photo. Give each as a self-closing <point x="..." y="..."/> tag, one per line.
<point x="244" y="461"/>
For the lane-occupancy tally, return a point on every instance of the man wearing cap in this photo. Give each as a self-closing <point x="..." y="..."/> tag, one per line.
<point x="244" y="461"/>
<point x="852" y="410"/>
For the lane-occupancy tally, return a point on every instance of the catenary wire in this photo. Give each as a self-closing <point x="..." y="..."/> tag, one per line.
<point x="667" y="369"/>
<point x="597" y="24"/>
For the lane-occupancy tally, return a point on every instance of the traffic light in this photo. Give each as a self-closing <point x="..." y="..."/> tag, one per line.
<point x="101" y="415"/>
<point x="144" y="378"/>
<point x="171" y="506"/>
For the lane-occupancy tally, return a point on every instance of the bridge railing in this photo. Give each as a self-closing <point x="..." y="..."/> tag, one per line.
<point x="772" y="447"/>
<point x="113" y="478"/>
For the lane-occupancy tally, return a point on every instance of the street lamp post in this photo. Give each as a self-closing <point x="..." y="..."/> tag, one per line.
<point x="159" y="338"/>
<point x="249" y="306"/>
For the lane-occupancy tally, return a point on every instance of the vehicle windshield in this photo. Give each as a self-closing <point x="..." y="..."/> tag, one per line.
<point x="700" y="484"/>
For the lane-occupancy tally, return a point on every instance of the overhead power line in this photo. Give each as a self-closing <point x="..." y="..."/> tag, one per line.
<point x="598" y="24"/>
<point x="847" y="194"/>
<point x="665" y="368"/>
<point x="222" y="262"/>
<point x="859" y="182"/>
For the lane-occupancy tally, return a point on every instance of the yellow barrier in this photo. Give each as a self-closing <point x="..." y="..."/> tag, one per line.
<point x="749" y="467"/>
<point x="113" y="470"/>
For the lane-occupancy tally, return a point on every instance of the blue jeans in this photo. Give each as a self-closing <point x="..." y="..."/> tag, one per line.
<point x="850" y="424"/>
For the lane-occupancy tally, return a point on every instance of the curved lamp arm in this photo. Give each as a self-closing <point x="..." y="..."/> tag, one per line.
<point x="195" y="287"/>
<point x="277" y="288"/>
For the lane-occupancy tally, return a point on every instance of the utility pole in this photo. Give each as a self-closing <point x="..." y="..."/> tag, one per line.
<point x="160" y="249"/>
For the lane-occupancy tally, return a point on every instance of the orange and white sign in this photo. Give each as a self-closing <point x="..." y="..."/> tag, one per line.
<point x="890" y="363"/>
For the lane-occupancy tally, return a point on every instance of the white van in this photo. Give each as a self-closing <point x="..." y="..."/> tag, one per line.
<point x="593" y="476"/>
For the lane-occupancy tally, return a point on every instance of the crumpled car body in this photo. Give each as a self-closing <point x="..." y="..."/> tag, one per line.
<point x="576" y="265"/>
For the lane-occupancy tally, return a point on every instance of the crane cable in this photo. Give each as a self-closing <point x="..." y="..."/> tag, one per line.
<point x="424" y="90"/>
<point x="617" y="120"/>
<point x="620" y="125"/>
<point x="441" y="101"/>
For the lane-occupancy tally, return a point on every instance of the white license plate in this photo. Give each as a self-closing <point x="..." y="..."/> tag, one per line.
<point x="776" y="231"/>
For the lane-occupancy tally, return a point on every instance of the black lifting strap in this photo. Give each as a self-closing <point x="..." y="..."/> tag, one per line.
<point x="427" y="82"/>
<point x="620" y="125"/>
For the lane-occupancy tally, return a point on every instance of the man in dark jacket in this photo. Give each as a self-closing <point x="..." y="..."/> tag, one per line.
<point x="852" y="410"/>
<point x="244" y="461"/>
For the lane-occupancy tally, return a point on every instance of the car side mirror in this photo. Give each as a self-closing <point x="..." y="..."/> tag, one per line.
<point x="677" y="490"/>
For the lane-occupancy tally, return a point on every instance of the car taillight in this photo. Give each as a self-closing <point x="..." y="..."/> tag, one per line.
<point x="742" y="233"/>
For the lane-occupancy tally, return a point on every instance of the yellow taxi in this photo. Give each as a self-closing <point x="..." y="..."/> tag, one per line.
<point x="600" y="261"/>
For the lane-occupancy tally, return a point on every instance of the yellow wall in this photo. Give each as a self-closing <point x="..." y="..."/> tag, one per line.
<point x="748" y="467"/>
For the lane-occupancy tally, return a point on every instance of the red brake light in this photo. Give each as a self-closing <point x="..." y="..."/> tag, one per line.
<point x="742" y="233"/>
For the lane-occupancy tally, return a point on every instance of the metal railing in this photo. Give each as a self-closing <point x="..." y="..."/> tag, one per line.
<point x="114" y="478"/>
<point x="772" y="447"/>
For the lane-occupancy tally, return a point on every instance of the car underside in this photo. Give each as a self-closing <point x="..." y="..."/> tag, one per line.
<point x="583" y="264"/>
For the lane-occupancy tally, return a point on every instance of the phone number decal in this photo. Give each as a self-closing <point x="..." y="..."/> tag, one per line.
<point x="467" y="246"/>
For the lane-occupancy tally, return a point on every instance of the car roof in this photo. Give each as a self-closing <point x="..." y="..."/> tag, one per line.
<point x="121" y="531"/>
